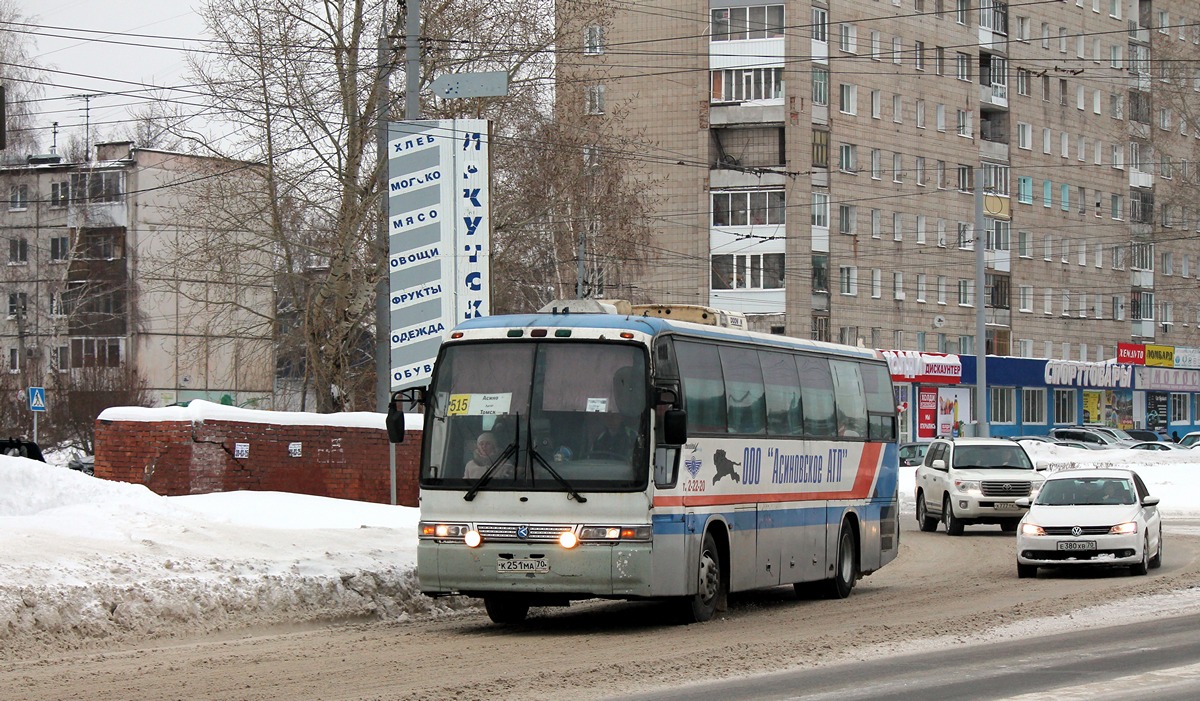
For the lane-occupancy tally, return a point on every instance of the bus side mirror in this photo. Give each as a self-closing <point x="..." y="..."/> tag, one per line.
<point x="675" y="427"/>
<point x="395" y="421"/>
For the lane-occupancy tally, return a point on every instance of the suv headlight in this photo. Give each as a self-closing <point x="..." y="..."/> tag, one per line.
<point x="966" y="486"/>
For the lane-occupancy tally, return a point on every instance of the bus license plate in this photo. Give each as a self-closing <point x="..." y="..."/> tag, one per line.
<point x="1077" y="545"/>
<point x="535" y="565"/>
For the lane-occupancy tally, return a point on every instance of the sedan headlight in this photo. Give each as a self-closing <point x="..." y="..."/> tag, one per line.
<point x="1032" y="529"/>
<point x="1124" y="528"/>
<point x="967" y="486"/>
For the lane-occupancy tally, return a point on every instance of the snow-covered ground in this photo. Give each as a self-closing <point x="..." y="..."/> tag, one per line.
<point x="83" y="558"/>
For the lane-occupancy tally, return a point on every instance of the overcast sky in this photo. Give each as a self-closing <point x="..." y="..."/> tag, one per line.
<point x="78" y="41"/>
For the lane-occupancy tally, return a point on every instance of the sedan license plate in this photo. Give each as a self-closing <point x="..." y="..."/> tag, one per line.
<point x="534" y="565"/>
<point x="1076" y="545"/>
<point x="1005" y="506"/>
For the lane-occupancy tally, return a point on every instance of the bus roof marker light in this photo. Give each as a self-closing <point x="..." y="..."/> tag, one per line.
<point x="538" y="333"/>
<point x="562" y="333"/>
<point x="514" y="333"/>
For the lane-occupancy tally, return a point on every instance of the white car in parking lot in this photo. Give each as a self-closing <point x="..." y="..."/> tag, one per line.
<point x="1092" y="518"/>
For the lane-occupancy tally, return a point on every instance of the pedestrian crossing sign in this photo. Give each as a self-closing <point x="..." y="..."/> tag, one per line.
<point x="37" y="398"/>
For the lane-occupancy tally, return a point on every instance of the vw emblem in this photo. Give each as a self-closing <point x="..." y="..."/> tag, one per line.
<point x="1076" y="531"/>
<point x="522" y="532"/>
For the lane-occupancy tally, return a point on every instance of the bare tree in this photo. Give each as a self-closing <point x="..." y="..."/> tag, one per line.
<point x="22" y="80"/>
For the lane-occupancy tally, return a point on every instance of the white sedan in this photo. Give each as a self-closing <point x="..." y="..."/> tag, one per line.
<point x="1092" y="518"/>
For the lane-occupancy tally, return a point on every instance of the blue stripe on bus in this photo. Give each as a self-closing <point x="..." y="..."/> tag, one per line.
<point x="888" y="478"/>
<point x="748" y="520"/>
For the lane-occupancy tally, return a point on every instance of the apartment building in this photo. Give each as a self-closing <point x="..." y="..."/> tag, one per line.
<point x="817" y="164"/>
<point x="130" y="261"/>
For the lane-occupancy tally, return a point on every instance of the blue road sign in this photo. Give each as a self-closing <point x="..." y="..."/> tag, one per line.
<point x="37" y="398"/>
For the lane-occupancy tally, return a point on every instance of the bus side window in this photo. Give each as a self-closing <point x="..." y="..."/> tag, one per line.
<point x="816" y="389"/>
<point x="744" y="390"/>
<point x="703" y="387"/>
<point x="666" y="466"/>
<point x="783" y="394"/>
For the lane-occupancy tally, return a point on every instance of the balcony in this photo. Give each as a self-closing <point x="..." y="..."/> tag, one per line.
<point x="994" y="95"/>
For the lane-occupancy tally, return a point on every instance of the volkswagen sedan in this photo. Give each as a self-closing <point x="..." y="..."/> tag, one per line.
<point x="1090" y="518"/>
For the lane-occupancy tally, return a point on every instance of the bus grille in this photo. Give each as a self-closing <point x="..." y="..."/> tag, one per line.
<point x="1005" y="489"/>
<point x="538" y="533"/>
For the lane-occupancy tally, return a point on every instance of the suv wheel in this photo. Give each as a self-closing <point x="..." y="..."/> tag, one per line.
<point x="924" y="520"/>
<point x="954" y="526"/>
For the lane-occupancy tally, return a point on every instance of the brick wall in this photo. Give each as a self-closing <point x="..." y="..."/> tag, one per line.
<point x="176" y="455"/>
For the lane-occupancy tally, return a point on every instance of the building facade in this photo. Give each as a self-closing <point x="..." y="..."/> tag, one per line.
<point x="817" y="164"/>
<point x="121" y="262"/>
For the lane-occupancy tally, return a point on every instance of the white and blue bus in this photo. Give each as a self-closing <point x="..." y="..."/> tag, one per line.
<point x="638" y="457"/>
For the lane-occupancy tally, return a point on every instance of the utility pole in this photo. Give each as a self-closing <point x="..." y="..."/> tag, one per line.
<point x="981" y="393"/>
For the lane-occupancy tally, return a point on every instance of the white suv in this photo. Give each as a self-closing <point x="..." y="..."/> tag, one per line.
<point x="974" y="480"/>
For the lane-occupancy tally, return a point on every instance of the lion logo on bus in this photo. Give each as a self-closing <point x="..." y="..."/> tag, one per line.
<point x="725" y="467"/>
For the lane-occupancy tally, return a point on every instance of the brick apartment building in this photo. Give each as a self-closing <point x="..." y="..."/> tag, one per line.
<point x="815" y="165"/>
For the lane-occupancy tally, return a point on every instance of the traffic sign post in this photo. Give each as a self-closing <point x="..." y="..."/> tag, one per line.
<point x="37" y="404"/>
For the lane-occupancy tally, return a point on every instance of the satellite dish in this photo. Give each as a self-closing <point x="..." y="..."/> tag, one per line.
<point x="939" y="321"/>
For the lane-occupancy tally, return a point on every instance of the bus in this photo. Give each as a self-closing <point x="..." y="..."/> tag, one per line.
<point x="571" y="456"/>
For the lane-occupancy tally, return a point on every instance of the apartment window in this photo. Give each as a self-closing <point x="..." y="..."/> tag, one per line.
<point x="820" y="85"/>
<point x="920" y="171"/>
<point x="1024" y="244"/>
<point x="939" y="60"/>
<point x="897" y="109"/>
<point x="762" y="271"/>
<point x="876" y="104"/>
<point x="847" y="219"/>
<point x="966" y="293"/>
<point x="920" y="114"/>
<point x="876" y="223"/>
<point x="16" y="304"/>
<point x="92" y="352"/>
<point x="1062" y="40"/>
<point x="1025" y="189"/>
<point x="962" y="66"/>
<point x="60" y="248"/>
<point x="1022" y="28"/>
<point x="820" y="148"/>
<point x="18" y="251"/>
<point x="919" y="55"/>
<point x="848" y="158"/>
<point x="1023" y="82"/>
<point x="940" y="118"/>
<point x="962" y="10"/>
<point x="897" y="168"/>
<point x="1141" y="305"/>
<point x="1033" y="403"/>
<point x="848" y="38"/>
<point x="963" y="122"/>
<point x="593" y="39"/>
<point x="921" y="287"/>
<point x="898" y="286"/>
<point x="897" y="226"/>
<point x="897" y="50"/>
<point x="748" y="208"/>
<point x="754" y="22"/>
<point x="594" y="99"/>
<point x="876" y="283"/>
<point x="18" y="197"/>
<point x="940" y="169"/>
<point x="965" y="240"/>
<point x="1118" y="307"/>
<point x="876" y="164"/>
<point x="739" y="85"/>
<point x="1048" y="301"/>
<point x="965" y="179"/>
<point x="1025" y="298"/>
<point x="995" y="179"/>
<point x="876" y="46"/>
<point x="848" y="280"/>
<point x="820" y="24"/>
<point x="820" y="209"/>
<point x="60" y="194"/>
<point x="848" y="98"/>
<point x="941" y="289"/>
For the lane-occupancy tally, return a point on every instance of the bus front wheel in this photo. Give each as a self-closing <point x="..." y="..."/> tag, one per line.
<point x="503" y="608"/>
<point x="711" y="586"/>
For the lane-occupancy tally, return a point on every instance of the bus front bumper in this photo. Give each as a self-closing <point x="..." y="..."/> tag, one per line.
<point x="619" y="569"/>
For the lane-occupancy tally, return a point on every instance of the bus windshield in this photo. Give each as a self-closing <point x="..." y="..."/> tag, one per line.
<point x="556" y="416"/>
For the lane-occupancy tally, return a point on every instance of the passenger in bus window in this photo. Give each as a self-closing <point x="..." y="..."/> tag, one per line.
<point x="486" y="451"/>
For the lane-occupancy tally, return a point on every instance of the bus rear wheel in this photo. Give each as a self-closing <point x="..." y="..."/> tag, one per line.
<point x="845" y="572"/>
<point x="505" y="608"/>
<point x="711" y="587"/>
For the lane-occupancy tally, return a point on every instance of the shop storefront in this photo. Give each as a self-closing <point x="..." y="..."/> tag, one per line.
<point x="931" y="404"/>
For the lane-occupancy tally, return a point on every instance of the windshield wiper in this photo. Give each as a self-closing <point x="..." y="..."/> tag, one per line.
<point x="510" y="450"/>
<point x="557" y="477"/>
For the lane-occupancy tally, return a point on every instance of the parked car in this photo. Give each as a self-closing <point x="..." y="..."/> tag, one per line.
<point x="912" y="453"/>
<point x="83" y="463"/>
<point x="20" y="447"/>
<point x="1091" y="518"/>
<point x="1190" y="440"/>
<point x="1079" y="444"/>
<point x="1143" y="434"/>
<point x="973" y="480"/>
<point x="1157" y="445"/>
<point x="1039" y="439"/>
<point x="1090" y="434"/>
